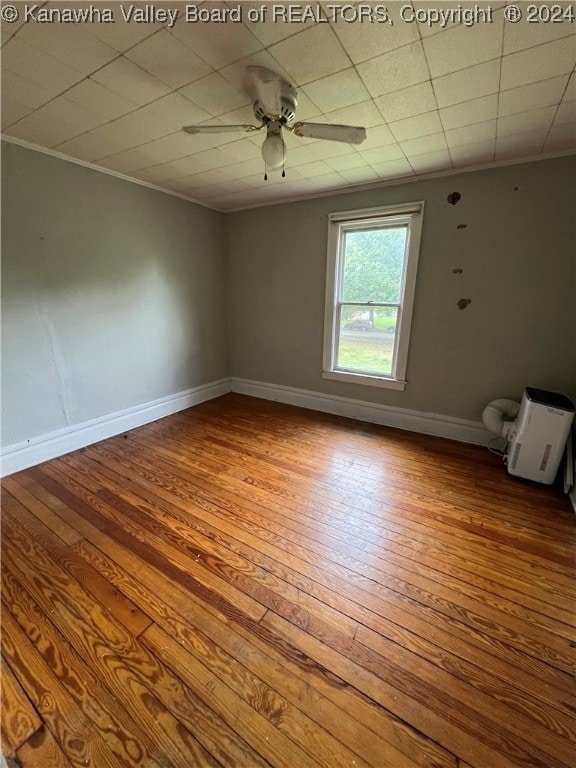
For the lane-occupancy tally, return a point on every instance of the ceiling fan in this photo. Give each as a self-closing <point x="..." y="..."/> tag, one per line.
<point x="274" y="108"/>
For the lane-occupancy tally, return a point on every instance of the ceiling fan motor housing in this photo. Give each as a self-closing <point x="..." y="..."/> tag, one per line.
<point x="287" y="110"/>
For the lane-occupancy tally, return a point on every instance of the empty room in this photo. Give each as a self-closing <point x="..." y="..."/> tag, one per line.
<point x="288" y="373"/>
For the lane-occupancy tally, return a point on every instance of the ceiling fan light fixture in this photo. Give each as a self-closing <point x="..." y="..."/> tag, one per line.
<point x="274" y="149"/>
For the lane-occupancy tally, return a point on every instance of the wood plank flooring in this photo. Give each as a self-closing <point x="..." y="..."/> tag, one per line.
<point x="251" y="584"/>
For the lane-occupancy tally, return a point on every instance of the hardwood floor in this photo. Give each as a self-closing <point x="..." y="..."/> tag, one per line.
<point x="251" y="584"/>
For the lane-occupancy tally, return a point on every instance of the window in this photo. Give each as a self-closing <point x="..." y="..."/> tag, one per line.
<point x="371" y="276"/>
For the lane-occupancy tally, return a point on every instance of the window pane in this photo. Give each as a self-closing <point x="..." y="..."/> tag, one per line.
<point x="366" y="341"/>
<point x="373" y="262"/>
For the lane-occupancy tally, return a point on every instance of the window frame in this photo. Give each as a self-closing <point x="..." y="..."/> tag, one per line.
<point x="410" y="214"/>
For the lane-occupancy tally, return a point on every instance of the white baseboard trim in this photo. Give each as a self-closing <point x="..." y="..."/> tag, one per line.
<point x="28" y="453"/>
<point x="413" y="421"/>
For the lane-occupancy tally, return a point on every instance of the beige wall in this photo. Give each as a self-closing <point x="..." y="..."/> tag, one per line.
<point x="112" y="295"/>
<point x="517" y="254"/>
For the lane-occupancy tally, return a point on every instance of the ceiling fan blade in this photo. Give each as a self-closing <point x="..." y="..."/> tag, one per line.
<point x="349" y="134"/>
<point x="221" y="128"/>
<point x="268" y="89"/>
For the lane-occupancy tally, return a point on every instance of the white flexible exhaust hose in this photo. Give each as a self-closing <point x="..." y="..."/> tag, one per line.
<point x="499" y="415"/>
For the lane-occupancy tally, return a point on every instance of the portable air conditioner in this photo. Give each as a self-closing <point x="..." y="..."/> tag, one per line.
<point x="538" y="439"/>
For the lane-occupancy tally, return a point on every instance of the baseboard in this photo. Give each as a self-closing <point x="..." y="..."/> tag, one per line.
<point x="19" y="456"/>
<point x="413" y="421"/>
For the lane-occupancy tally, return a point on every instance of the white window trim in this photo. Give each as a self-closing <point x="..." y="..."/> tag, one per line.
<point x="369" y="217"/>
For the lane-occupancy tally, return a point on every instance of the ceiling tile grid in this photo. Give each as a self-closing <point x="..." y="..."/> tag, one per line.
<point x="433" y="96"/>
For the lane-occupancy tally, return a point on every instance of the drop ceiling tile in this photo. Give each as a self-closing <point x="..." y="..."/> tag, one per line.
<point x="172" y="147"/>
<point x="237" y="201"/>
<point x="329" y="181"/>
<point x="27" y="93"/>
<point x="322" y="150"/>
<point x="393" y="169"/>
<point x="435" y="24"/>
<point x="540" y="63"/>
<point x="161" y="173"/>
<point x="12" y="111"/>
<point x="297" y="54"/>
<point x="38" y="67"/>
<point x="179" y="111"/>
<point x="182" y="167"/>
<point x="127" y="162"/>
<point x="217" y="177"/>
<point x="42" y="130"/>
<point x="215" y="95"/>
<point x="402" y="67"/>
<point x="237" y="151"/>
<point x="220" y="158"/>
<point x="365" y="40"/>
<point x="382" y="154"/>
<point x="217" y="44"/>
<point x="225" y="188"/>
<point x="570" y="93"/>
<point x="319" y="168"/>
<point x="301" y="155"/>
<point x="470" y="112"/>
<point x="246" y="168"/>
<point x="365" y="114"/>
<point x="533" y="96"/>
<point x="336" y="91"/>
<point x="70" y="44"/>
<point x="146" y="122"/>
<point x="461" y="47"/>
<point x="524" y="145"/>
<point x="471" y="134"/>
<point x="345" y="162"/>
<point x="468" y="84"/>
<point x="566" y="113"/>
<point x="359" y="175"/>
<point x="423" y="146"/>
<point x="278" y="187"/>
<point x="535" y="120"/>
<point x="122" y="34"/>
<point x="415" y="127"/>
<point x="432" y="161"/>
<point x="473" y="154"/>
<point x="132" y="82"/>
<point x="97" y="98"/>
<point x="101" y="142"/>
<point x="415" y="100"/>
<point x="377" y="136"/>
<point x="169" y="60"/>
<point x="561" y="137"/>
<point x="273" y="24"/>
<point x="69" y="112"/>
<point x="518" y="37"/>
<point x="8" y="30"/>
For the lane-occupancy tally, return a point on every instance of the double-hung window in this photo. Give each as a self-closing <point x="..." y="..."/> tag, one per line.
<point x="371" y="278"/>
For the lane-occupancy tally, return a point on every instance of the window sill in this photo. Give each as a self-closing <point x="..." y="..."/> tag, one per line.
<point x="365" y="379"/>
